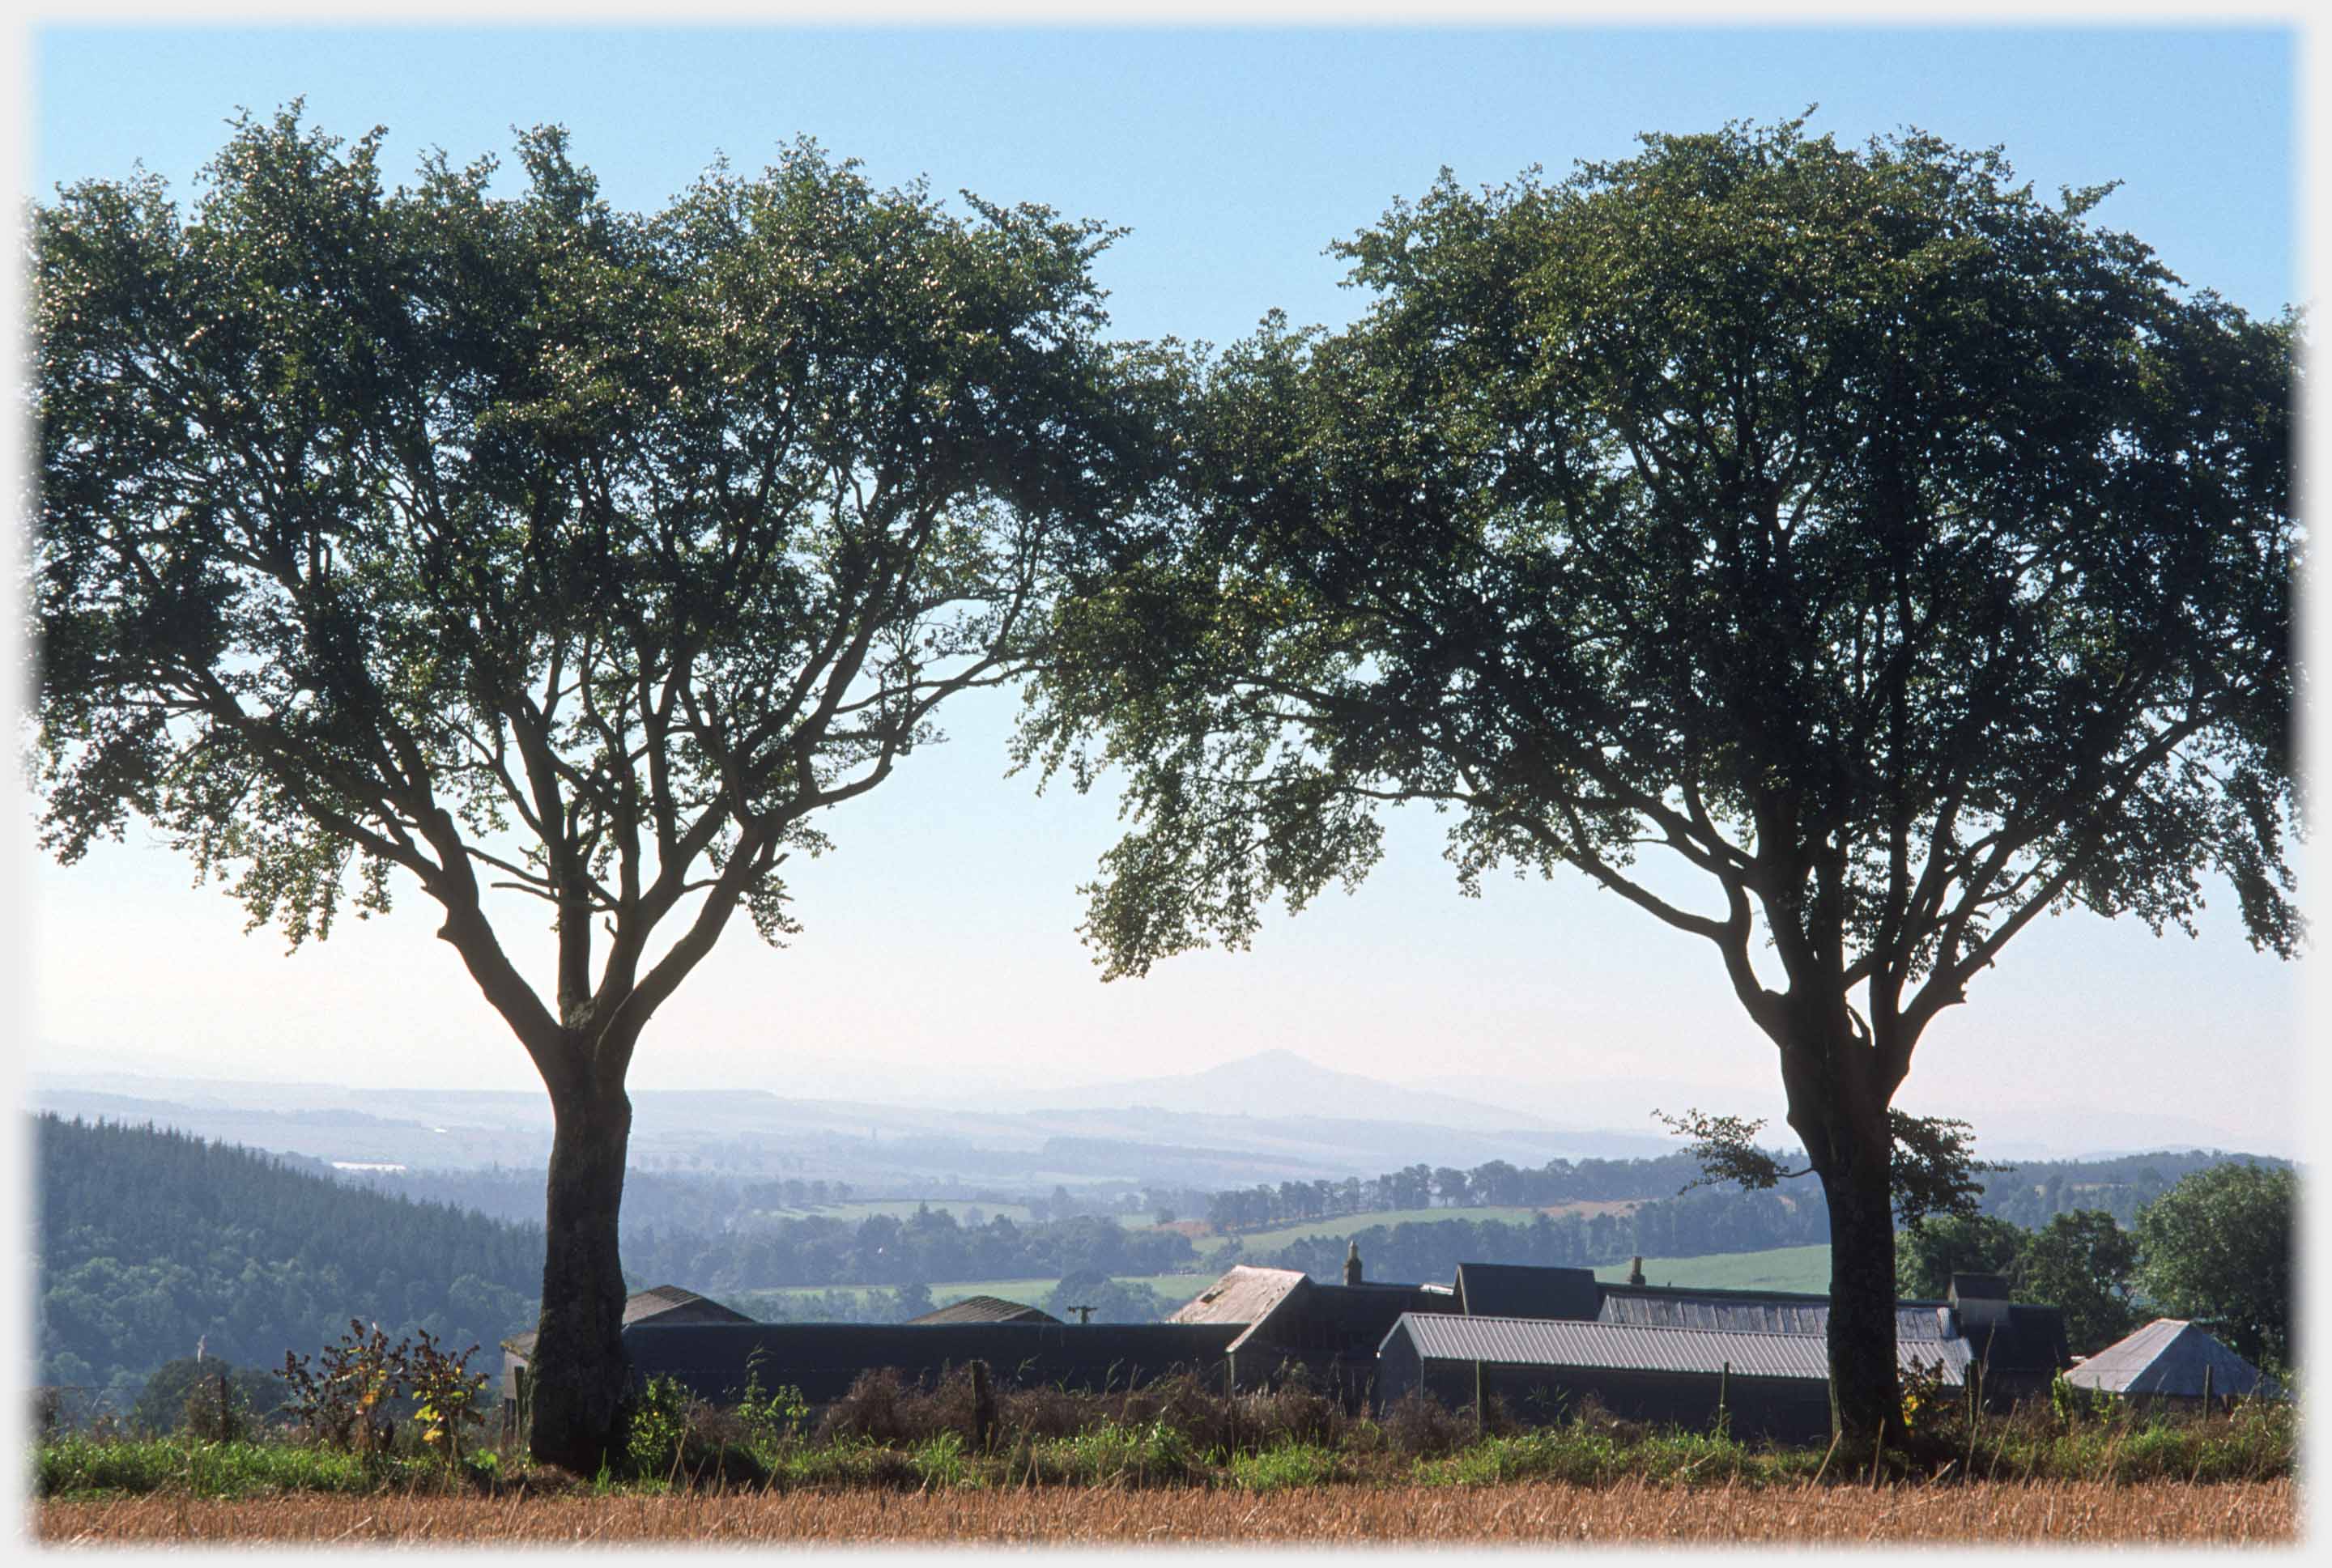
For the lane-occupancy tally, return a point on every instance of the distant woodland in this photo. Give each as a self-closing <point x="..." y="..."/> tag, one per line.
<point x="149" y="1241"/>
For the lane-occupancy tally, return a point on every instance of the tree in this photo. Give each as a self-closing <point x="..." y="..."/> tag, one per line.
<point x="2083" y="1263"/>
<point x="516" y="543"/>
<point x="2217" y="1247"/>
<point x="1112" y="1301"/>
<point x="1890" y="554"/>
<point x="190" y="1388"/>
<point x="1927" y="1254"/>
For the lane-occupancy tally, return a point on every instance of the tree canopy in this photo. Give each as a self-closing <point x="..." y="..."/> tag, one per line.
<point x="2217" y="1248"/>
<point x="1891" y="554"/>
<point x="511" y="541"/>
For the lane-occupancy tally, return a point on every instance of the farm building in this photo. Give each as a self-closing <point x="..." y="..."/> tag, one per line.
<point x="660" y="1303"/>
<point x="713" y="1359"/>
<point x="1291" y="1321"/>
<point x="1766" y="1384"/>
<point x="2172" y="1362"/>
<point x="2015" y="1347"/>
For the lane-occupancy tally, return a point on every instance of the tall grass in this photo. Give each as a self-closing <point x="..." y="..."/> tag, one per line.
<point x="886" y="1438"/>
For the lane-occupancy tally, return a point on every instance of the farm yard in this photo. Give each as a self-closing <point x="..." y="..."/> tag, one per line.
<point x="1633" y="1512"/>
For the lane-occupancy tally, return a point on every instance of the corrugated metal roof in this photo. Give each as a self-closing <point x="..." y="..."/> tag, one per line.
<point x="2167" y="1358"/>
<point x="1738" y="1315"/>
<point x="1244" y="1295"/>
<point x="987" y="1310"/>
<point x="1639" y="1347"/>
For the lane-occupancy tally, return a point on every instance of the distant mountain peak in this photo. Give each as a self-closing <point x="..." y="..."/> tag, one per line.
<point x="1280" y="1081"/>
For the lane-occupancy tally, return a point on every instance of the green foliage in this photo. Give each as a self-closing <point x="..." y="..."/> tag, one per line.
<point x="349" y="1400"/>
<point x="1933" y="1170"/>
<point x="1112" y="1301"/>
<point x="448" y="1398"/>
<point x="2086" y="1264"/>
<point x="655" y="1427"/>
<point x="1284" y="1465"/>
<point x="1928" y="1254"/>
<point x="2217" y="1248"/>
<point x="2069" y="1441"/>
<point x="773" y="1417"/>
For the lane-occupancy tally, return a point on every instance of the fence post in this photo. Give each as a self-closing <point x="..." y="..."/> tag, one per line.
<point x="2206" y="1388"/>
<point x="1481" y="1406"/>
<point x="1724" y="1392"/>
<point x="983" y="1407"/>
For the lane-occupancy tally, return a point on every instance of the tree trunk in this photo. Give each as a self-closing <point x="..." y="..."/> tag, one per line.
<point x="579" y="1372"/>
<point x="1868" y="1402"/>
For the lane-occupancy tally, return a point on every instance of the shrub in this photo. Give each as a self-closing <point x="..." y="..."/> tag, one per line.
<point x="1417" y="1427"/>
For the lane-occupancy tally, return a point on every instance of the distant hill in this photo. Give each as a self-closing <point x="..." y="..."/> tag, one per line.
<point x="1282" y="1084"/>
<point x="148" y="1242"/>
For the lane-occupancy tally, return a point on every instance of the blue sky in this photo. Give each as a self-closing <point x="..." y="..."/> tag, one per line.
<point x="940" y="930"/>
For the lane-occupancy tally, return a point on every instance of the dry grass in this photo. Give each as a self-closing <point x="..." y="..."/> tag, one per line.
<point x="2240" y="1512"/>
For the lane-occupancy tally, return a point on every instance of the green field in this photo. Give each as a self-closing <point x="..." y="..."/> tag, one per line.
<point x="1803" y="1269"/>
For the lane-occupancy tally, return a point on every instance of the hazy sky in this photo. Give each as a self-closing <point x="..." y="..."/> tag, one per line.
<point x="940" y="930"/>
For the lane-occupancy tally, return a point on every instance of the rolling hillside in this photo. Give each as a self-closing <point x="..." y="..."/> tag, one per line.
<point x="148" y="1242"/>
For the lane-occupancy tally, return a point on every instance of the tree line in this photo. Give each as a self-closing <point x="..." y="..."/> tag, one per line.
<point x="2026" y="1193"/>
<point x="928" y="1245"/>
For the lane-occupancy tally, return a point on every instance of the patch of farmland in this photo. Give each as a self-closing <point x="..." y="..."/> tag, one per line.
<point x="1803" y="1269"/>
<point x="1632" y="1513"/>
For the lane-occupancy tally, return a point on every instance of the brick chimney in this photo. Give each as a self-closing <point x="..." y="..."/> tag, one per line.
<point x="1352" y="1262"/>
<point x="1635" y="1269"/>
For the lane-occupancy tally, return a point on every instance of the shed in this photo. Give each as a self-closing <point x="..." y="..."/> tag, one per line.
<point x="2166" y="1361"/>
<point x="1771" y="1384"/>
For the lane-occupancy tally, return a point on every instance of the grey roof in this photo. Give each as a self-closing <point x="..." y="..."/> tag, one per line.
<point x="657" y="1302"/>
<point x="2167" y="1358"/>
<point x="1639" y="1347"/>
<point x="1776" y="1315"/>
<point x="1525" y="1290"/>
<point x="987" y="1310"/>
<point x="1244" y="1295"/>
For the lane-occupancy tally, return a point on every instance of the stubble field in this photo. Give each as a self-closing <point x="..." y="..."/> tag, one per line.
<point x="2258" y="1513"/>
